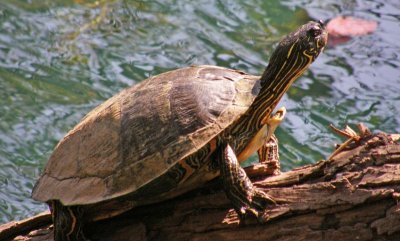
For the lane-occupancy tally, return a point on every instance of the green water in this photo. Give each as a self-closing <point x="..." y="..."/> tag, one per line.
<point x="59" y="59"/>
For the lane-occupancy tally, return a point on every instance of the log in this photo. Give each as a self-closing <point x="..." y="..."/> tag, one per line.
<point x="354" y="195"/>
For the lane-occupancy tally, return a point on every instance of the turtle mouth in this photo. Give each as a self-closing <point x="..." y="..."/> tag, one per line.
<point x="318" y="39"/>
<point x="321" y="39"/>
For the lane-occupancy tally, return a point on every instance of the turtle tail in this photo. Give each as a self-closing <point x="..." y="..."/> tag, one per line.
<point x="68" y="222"/>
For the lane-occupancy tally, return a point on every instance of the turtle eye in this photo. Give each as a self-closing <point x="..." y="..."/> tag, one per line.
<point x="314" y="32"/>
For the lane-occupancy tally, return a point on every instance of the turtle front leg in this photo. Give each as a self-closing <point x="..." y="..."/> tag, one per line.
<point x="246" y="198"/>
<point x="268" y="155"/>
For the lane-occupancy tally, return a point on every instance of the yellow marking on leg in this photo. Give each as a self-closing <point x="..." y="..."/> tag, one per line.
<point x="213" y="145"/>
<point x="269" y="151"/>
<point x="189" y="170"/>
<point x="72" y="215"/>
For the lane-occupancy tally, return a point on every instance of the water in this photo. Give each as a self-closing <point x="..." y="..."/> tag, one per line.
<point x="59" y="59"/>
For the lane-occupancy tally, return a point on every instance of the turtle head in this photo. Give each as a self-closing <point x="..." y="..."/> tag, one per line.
<point x="295" y="52"/>
<point x="308" y="41"/>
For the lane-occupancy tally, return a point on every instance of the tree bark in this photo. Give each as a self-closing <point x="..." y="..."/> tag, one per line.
<point x="353" y="196"/>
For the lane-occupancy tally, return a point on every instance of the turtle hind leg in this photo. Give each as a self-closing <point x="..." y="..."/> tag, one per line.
<point x="67" y="221"/>
<point x="245" y="198"/>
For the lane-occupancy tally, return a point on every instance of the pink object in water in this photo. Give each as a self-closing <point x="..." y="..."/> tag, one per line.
<point x="350" y="26"/>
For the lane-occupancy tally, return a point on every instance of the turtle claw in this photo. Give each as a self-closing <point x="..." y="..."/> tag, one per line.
<point x="246" y="199"/>
<point x="262" y="198"/>
<point x="260" y="201"/>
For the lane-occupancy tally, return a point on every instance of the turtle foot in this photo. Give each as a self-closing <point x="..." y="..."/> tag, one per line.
<point x="247" y="200"/>
<point x="255" y="206"/>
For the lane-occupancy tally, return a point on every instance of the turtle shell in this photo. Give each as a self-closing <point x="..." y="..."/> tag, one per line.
<point x="137" y="135"/>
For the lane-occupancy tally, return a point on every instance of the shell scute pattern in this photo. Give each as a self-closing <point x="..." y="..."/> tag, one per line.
<point x="143" y="132"/>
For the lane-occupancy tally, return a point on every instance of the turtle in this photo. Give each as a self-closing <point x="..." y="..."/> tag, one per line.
<point x="172" y="133"/>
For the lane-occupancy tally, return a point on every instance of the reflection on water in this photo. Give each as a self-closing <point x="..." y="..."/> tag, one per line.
<point x="60" y="59"/>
